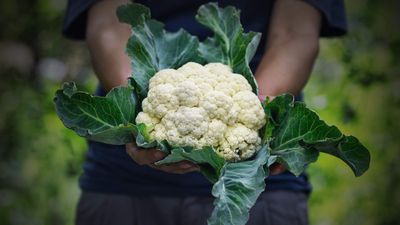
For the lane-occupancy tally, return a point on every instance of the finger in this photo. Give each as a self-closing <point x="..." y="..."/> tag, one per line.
<point x="277" y="168"/>
<point x="178" y="168"/>
<point x="144" y="156"/>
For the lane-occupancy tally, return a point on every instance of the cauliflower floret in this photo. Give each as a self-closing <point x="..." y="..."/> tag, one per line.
<point x="166" y="76"/>
<point x="186" y="125"/>
<point x="218" y="68"/>
<point x="204" y="88"/>
<point x="146" y="106"/>
<point x="191" y="69"/>
<point x="231" y="84"/>
<point x="197" y="106"/>
<point x="156" y="129"/>
<point x="239" y="143"/>
<point x="159" y="132"/>
<point x="251" y="113"/>
<point x="206" y="78"/>
<point x="215" y="132"/>
<point x="239" y="83"/>
<point x="224" y="88"/>
<point x="219" y="105"/>
<point x="173" y="137"/>
<point x="147" y="119"/>
<point x="160" y="100"/>
<point x="199" y="75"/>
<point x="188" y="94"/>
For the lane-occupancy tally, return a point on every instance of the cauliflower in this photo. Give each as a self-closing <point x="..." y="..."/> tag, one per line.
<point x="197" y="106"/>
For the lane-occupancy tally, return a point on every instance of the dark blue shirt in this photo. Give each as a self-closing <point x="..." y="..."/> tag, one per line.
<point x="109" y="169"/>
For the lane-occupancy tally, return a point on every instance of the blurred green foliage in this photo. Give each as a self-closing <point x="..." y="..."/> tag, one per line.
<point x="355" y="84"/>
<point x="40" y="159"/>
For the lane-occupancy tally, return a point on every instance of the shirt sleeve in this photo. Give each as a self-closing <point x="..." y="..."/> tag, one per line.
<point x="334" y="21"/>
<point x="75" y="19"/>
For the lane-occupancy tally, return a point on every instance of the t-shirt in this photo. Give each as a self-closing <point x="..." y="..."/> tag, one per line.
<point x="108" y="169"/>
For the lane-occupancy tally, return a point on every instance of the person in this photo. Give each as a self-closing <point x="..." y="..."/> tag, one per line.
<point x="120" y="188"/>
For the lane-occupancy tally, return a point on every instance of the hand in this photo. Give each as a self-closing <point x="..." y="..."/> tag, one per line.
<point x="150" y="156"/>
<point x="276" y="168"/>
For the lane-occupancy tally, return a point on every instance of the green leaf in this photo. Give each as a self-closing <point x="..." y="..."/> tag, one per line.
<point x="69" y="89"/>
<point x="350" y="151"/>
<point x="125" y="102"/>
<point x="238" y="188"/>
<point x="105" y="119"/>
<point x="230" y="45"/>
<point x="275" y="112"/>
<point x="133" y="14"/>
<point x="299" y="135"/>
<point x="143" y="139"/>
<point x="152" y="49"/>
<point x="209" y="161"/>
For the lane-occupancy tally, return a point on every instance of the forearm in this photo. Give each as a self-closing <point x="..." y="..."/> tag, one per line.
<point x="286" y="66"/>
<point x="292" y="48"/>
<point x="106" y="38"/>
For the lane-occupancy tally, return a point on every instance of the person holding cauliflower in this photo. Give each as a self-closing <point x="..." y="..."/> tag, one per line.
<point x="197" y="105"/>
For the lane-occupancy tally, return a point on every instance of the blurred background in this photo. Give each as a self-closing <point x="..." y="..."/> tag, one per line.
<point x="355" y="85"/>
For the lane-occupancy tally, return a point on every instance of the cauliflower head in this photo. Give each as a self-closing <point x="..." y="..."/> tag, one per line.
<point x="197" y="106"/>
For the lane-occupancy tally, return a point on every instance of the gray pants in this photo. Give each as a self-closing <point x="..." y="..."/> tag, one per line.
<point x="272" y="208"/>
